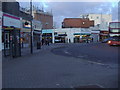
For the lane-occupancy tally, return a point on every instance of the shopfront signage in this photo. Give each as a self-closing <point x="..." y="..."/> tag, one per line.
<point x="81" y="33"/>
<point x="9" y="20"/>
<point x="26" y="24"/>
<point x="47" y="31"/>
<point x="37" y="25"/>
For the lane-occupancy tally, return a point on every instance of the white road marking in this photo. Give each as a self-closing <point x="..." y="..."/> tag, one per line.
<point x="108" y="66"/>
<point x="57" y="84"/>
<point x="67" y="52"/>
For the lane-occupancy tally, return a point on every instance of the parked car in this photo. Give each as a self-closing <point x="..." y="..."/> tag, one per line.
<point x="114" y="41"/>
<point x="106" y="40"/>
<point x="57" y="41"/>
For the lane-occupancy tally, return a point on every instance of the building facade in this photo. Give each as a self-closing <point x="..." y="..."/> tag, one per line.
<point x="37" y="32"/>
<point x="101" y="23"/>
<point x="46" y="18"/>
<point x="77" y="23"/>
<point x="71" y="35"/>
<point x="11" y="8"/>
<point x="1" y="14"/>
<point x="98" y="18"/>
<point x="11" y="35"/>
<point x="25" y="29"/>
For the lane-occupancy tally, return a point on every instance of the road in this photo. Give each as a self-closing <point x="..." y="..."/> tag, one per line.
<point x="93" y="52"/>
<point x="45" y="69"/>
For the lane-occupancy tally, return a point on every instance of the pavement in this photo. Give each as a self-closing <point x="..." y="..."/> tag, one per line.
<point x="43" y="69"/>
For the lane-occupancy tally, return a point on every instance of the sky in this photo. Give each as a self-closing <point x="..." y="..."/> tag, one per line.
<point x="74" y="8"/>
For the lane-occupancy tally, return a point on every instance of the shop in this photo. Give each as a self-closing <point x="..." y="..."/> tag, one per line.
<point x="11" y="35"/>
<point x="37" y="32"/>
<point x="81" y="37"/>
<point x="95" y="35"/>
<point x="25" y="33"/>
<point x="48" y="34"/>
<point x="60" y="37"/>
<point x="104" y="35"/>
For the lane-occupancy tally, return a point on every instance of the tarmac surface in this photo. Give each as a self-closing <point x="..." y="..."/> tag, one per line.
<point x="44" y="69"/>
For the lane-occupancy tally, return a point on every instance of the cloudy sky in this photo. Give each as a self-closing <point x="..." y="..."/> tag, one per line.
<point x="74" y="8"/>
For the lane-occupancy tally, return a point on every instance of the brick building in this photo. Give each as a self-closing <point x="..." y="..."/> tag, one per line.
<point x="45" y="18"/>
<point x="77" y="23"/>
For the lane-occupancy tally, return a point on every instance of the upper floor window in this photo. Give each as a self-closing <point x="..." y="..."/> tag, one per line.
<point x="83" y="22"/>
<point x="97" y="17"/>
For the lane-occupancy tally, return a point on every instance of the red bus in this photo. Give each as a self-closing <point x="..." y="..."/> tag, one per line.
<point x="114" y="29"/>
<point x="114" y="33"/>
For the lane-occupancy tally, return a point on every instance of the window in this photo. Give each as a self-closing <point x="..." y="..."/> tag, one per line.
<point x="114" y="25"/>
<point x="115" y="30"/>
<point x="97" y="17"/>
<point x="83" y="22"/>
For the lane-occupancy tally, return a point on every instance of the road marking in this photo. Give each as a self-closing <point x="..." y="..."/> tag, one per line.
<point x="96" y="63"/>
<point x="67" y="52"/>
<point x="57" y="84"/>
<point x="81" y="56"/>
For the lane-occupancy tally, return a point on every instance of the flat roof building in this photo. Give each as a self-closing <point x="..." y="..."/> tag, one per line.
<point x="77" y="23"/>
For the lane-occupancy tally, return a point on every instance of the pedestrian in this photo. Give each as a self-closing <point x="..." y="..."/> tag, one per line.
<point x="69" y="41"/>
<point x="92" y="39"/>
<point x="42" y="41"/>
<point x="45" y="41"/>
<point x="87" y="40"/>
<point x="48" y="42"/>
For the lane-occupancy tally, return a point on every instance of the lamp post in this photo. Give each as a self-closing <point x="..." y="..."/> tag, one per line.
<point x="31" y="33"/>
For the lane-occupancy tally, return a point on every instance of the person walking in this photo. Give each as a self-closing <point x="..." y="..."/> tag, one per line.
<point x="42" y="41"/>
<point x="45" y="41"/>
<point x="92" y="39"/>
<point x="87" y="41"/>
<point x="48" y="42"/>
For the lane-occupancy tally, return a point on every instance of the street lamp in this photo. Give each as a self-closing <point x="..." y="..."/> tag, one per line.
<point x="31" y="29"/>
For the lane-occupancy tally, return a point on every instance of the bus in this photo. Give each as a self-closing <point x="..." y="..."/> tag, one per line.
<point x="114" y="33"/>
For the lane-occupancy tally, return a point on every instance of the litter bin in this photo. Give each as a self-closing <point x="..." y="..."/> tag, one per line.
<point x="38" y="45"/>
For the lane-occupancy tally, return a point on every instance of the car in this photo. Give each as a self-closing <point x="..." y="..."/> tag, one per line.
<point x="57" y="41"/>
<point x="114" y="41"/>
<point x="106" y="40"/>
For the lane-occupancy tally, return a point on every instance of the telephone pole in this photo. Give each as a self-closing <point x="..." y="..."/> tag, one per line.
<point x="31" y="33"/>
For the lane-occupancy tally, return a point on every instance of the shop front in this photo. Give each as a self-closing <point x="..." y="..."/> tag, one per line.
<point x="25" y="33"/>
<point x="47" y="34"/>
<point x="95" y="35"/>
<point x="60" y="37"/>
<point x="104" y="35"/>
<point x="81" y="37"/>
<point x="37" y="32"/>
<point x="11" y="35"/>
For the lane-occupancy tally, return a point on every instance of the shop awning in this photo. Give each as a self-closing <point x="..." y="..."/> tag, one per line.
<point x="37" y="32"/>
<point x="82" y="34"/>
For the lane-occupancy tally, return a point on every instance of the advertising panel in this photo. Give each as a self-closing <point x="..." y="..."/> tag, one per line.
<point x="37" y="25"/>
<point x="9" y="20"/>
